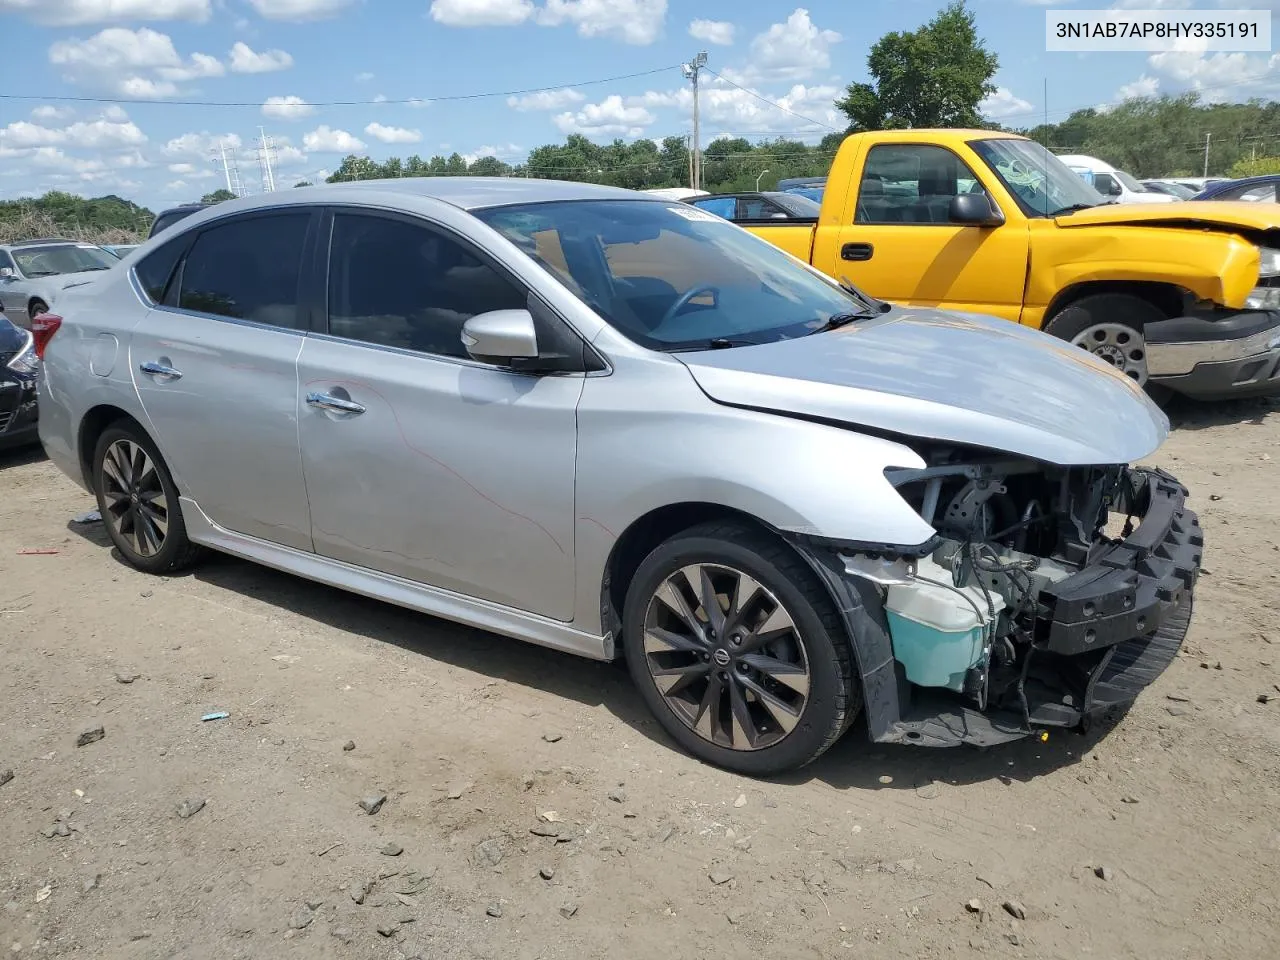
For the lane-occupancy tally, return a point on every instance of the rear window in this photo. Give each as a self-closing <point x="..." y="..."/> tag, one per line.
<point x="248" y="269"/>
<point x="167" y="219"/>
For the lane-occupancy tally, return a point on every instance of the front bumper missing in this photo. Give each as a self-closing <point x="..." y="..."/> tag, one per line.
<point x="1216" y="357"/>
<point x="1100" y="638"/>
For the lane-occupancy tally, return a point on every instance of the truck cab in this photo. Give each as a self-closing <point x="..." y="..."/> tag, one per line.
<point x="1181" y="297"/>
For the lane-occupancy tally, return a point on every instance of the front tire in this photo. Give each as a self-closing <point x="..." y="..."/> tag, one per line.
<point x="1110" y="326"/>
<point x="139" y="501"/>
<point x="738" y="650"/>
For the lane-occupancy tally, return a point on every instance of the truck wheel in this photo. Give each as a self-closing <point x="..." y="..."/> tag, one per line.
<point x="1109" y="325"/>
<point x="738" y="650"/>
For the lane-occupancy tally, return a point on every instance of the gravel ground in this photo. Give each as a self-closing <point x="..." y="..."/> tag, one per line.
<point x="534" y="810"/>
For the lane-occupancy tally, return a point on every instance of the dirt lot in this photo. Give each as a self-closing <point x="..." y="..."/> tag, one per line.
<point x="478" y="742"/>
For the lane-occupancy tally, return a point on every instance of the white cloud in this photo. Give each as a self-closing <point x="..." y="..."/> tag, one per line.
<point x="546" y="100"/>
<point x="48" y="113"/>
<point x="364" y="77"/>
<point x="139" y="63"/>
<point x="481" y="13"/>
<point x="509" y="153"/>
<point x="183" y="168"/>
<point x="712" y="31"/>
<point x="95" y="134"/>
<point x="288" y="156"/>
<point x="200" y="146"/>
<point x="287" y="108"/>
<point x="1002" y="104"/>
<point x="393" y="134"/>
<point x="325" y="140"/>
<point x="1144" y="86"/>
<point x="728" y="110"/>
<point x="71" y="13"/>
<point x="633" y="21"/>
<point x="245" y="60"/>
<point x="200" y="65"/>
<point x="1218" y="76"/>
<point x="298" y="9"/>
<point x="792" y="50"/>
<point x="173" y="185"/>
<point x="114" y="112"/>
<point x="609" y="117"/>
<point x="51" y="158"/>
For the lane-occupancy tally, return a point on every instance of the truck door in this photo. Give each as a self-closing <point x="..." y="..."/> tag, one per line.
<point x="900" y="244"/>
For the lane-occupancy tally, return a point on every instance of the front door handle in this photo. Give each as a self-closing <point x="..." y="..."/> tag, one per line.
<point x="160" y="370"/>
<point x="327" y="401"/>
<point x="857" y="251"/>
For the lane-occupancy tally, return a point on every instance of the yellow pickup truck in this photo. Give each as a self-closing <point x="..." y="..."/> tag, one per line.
<point x="1180" y="296"/>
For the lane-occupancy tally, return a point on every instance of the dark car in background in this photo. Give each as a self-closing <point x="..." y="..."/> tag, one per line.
<point x="167" y="218"/>
<point x="758" y="207"/>
<point x="1252" y="189"/>
<point x="19" y="367"/>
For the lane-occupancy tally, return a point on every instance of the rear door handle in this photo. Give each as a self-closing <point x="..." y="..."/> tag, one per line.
<point x="327" y="401"/>
<point x="160" y="370"/>
<point x="857" y="251"/>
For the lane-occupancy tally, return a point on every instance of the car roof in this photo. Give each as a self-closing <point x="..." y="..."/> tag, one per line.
<point x="468" y="193"/>
<point x="40" y="242"/>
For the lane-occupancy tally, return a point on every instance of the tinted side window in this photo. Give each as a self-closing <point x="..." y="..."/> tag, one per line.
<point x="247" y="269"/>
<point x="156" y="268"/>
<point x="399" y="284"/>
<point x="721" y="206"/>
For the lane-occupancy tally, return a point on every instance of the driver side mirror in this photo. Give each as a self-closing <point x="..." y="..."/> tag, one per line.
<point x="973" y="210"/>
<point x="501" y="337"/>
<point x="778" y="216"/>
<point x="7" y="273"/>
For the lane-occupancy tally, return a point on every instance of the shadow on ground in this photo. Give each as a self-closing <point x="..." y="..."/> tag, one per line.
<point x="21" y="456"/>
<point x="853" y="763"/>
<point x="1187" y="414"/>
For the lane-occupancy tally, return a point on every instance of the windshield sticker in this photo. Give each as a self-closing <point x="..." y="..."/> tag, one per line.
<point x="693" y="213"/>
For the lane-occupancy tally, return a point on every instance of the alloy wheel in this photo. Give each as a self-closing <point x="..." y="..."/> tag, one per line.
<point x="1119" y="345"/>
<point x="136" y="505"/>
<point x="726" y="656"/>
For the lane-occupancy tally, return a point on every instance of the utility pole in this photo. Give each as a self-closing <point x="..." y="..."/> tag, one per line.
<point x="1206" y="154"/>
<point x="691" y="70"/>
<point x="230" y="170"/>
<point x="689" y="150"/>
<point x="266" y="150"/>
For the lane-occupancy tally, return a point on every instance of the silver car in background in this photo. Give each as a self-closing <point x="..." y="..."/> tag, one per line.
<point x="33" y="273"/>
<point x="619" y="426"/>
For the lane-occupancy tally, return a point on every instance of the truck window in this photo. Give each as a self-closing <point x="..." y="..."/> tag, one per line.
<point x="721" y="206"/>
<point x="912" y="183"/>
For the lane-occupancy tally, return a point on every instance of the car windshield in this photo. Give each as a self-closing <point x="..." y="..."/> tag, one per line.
<point x="672" y="277"/>
<point x="1129" y="182"/>
<point x="1042" y="184"/>
<point x="63" y="258"/>
<point x="797" y="205"/>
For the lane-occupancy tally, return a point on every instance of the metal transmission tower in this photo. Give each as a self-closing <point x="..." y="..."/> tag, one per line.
<point x="266" y="156"/>
<point x="230" y="168"/>
<point x="691" y="71"/>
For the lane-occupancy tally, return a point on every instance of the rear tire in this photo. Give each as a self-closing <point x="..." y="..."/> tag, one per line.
<point x="761" y="683"/>
<point x="1110" y="325"/>
<point x="139" y="501"/>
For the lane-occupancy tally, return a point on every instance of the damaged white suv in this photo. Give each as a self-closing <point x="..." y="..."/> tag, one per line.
<point x="619" y="426"/>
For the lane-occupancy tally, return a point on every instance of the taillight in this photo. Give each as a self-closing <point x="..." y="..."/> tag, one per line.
<point x="43" y="327"/>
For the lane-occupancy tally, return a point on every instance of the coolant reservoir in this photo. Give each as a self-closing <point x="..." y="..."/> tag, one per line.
<point x="937" y="634"/>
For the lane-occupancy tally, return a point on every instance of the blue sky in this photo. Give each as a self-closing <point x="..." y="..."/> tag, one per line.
<point x="281" y="61"/>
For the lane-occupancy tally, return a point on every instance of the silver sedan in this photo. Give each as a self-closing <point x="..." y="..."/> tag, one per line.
<point x="34" y="273"/>
<point x="619" y="426"/>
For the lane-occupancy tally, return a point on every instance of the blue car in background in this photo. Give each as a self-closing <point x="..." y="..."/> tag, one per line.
<point x="1253" y="189"/>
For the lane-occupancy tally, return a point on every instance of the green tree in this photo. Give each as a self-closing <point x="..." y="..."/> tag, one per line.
<point x="303" y="183"/>
<point x="488" y="167"/>
<point x="931" y="77"/>
<point x="355" y="168"/>
<point x="222" y="193"/>
<point x="1254" y="167"/>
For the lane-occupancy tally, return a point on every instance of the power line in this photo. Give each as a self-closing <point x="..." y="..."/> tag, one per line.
<point x="346" y="103"/>
<point x="763" y="99"/>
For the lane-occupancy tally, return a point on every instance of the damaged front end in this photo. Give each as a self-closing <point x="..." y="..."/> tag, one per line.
<point x="1049" y="596"/>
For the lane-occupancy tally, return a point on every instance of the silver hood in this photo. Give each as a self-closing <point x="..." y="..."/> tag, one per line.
<point x="942" y="375"/>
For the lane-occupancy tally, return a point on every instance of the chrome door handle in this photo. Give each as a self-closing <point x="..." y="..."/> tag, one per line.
<point x="327" y="401"/>
<point x="160" y="370"/>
